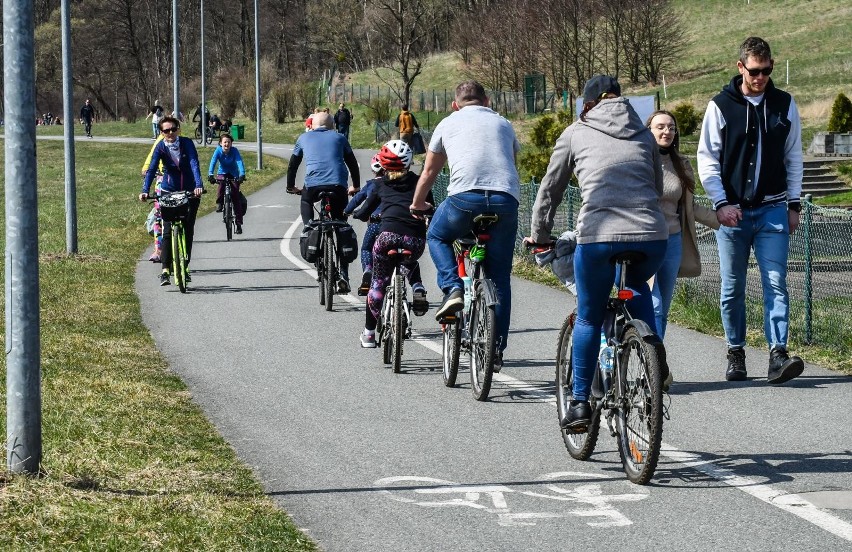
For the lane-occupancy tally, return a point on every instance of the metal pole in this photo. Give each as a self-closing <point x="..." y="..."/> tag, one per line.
<point x="175" y="62"/>
<point x="808" y="237"/>
<point x="257" y="89"/>
<point x="68" y="115"/>
<point x="204" y="122"/>
<point x="23" y="355"/>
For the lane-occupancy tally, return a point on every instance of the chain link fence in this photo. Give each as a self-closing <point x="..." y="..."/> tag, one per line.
<point x="819" y="269"/>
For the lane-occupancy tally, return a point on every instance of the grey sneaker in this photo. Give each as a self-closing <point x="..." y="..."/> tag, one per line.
<point x="164" y="278"/>
<point x="368" y="341"/>
<point x="420" y="305"/>
<point x="782" y="367"/>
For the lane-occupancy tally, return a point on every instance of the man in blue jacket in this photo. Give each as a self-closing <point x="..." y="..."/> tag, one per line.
<point x="179" y="160"/>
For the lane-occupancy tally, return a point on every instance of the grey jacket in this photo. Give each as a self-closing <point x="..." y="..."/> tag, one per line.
<point x="617" y="163"/>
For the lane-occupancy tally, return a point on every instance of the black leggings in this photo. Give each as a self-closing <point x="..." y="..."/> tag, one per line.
<point x="310" y="195"/>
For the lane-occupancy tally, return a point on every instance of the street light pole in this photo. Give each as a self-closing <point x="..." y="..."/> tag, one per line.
<point x="68" y="115"/>
<point x="204" y="122"/>
<point x="175" y="61"/>
<point x="257" y="89"/>
<point x="23" y="346"/>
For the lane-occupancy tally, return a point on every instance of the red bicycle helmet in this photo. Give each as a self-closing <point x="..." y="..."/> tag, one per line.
<point x="396" y="155"/>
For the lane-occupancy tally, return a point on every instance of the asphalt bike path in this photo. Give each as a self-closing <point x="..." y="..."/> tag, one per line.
<point x="364" y="459"/>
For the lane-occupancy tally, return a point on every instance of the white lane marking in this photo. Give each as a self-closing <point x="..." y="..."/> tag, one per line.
<point x="783" y="500"/>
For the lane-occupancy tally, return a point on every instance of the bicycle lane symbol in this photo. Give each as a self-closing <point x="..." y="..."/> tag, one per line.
<point x="585" y="500"/>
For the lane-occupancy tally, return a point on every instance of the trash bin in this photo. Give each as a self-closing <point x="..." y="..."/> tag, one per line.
<point x="238" y="132"/>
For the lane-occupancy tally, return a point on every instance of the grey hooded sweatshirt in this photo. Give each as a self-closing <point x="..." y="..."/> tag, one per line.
<point x="618" y="165"/>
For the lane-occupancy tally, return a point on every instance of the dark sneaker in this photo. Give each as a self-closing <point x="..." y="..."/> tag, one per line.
<point x="164" y="278"/>
<point x="188" y="277"/>
<point x="578" y="418"/>
<point x="368" y="341"/>
<point x="736" y="365"/>
<point x="453" y="302"/>
<point x="783" y="368"/>
<point x="239" y="229"/>
<point x="343" y="286"/>
<point x="498" y="362"/>
<point x="420" y="306"/>
<point x="219" y="207"/>
<point x="366" y="280"/>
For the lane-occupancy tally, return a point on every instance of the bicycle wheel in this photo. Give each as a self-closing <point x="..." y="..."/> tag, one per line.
<point x="229" y="217"/>
<point x="179" y="257"/>
<point x="321" y="271"/>
<point x="330" y="272"/>
<point x="397" y="329"/>
<point x="208" y="134"/>
<point x="386" y="329"/>
<point x="198" y="137"/>
<point x="640" y="418"/>
<point x="482" y="329"/>
<point x="579" y="445"/>
<point x="452" y="343"/>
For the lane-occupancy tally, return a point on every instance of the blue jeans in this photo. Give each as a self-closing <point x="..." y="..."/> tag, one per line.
<point x="454" y="219"/>
<point x="767" y="230"/>
<point x="595" y="276"/>
<point x="664" y="282"/>
<point x="155" y="127"/>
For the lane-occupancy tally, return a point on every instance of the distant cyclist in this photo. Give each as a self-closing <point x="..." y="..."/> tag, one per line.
<point x="395" y="191"/>
<point x="329" y="164"/>
<point x="180" y="173"/>
<point x="230" y="163"/>
<point x="480" y="147"/>
<point x="87" y="114"/>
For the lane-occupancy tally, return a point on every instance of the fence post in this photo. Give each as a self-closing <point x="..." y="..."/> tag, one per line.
<point x="806" y="227"/>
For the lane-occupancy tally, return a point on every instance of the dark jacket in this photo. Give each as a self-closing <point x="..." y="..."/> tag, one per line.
<point x="395" y="198"/>
<point x="183" y="175"/>
<point x="87" y="112"/>
<point x="342" y="118"/>
<point x="746" y="125"/>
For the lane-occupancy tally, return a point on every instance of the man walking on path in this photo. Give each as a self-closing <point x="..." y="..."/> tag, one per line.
<point x="342" y="120"/>
<point x="406" y="123"/>
<point x="750" y="163"/>
<point x="87" y="113"/>
<point x="480" y="147"/>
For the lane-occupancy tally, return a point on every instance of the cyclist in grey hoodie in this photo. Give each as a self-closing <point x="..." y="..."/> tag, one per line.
<point x="618" y="166"/>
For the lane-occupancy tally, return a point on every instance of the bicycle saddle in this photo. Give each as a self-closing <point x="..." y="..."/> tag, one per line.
<point x="628" y="257"/>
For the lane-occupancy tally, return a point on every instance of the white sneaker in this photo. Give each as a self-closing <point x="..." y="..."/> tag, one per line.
<point x="368" y="341"/>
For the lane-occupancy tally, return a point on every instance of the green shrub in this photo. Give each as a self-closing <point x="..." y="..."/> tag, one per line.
<point x="543" y="137"/>
<point x="378" y="109"/>
<point x="841" y="115"/>
<point x="687" y="117"/>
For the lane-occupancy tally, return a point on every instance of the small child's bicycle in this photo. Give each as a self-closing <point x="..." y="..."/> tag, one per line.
<point x="394" y="325"/>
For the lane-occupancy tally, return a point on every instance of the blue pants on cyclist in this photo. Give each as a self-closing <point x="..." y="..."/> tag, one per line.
<point x="454" y="219"/>
<point x="595" y="276"/>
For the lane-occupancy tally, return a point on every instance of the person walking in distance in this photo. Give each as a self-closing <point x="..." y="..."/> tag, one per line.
<point x="87" y="114"/>
<point x="342" y="120"/>
<point x="156" y="114"/>
<point x="406" y="123"/>
<point x="750" y="163"/>
<point x="481" y="148"/>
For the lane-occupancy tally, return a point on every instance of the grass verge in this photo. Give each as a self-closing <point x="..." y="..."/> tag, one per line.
<point x="130" y="462"/>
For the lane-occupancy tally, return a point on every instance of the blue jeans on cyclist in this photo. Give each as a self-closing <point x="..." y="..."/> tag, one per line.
<point x="339" y="199"/>
<point x="189" y="233"/>
<point x="595" y="275"/>
<point x="383" y="269"/>
<point x="453" y="220"/>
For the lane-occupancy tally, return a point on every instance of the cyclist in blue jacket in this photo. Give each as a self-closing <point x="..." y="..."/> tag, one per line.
<point x="180" y="173"/>
<point x="230" y="163"/>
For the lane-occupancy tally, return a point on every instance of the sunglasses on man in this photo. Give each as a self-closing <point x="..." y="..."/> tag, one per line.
<point x="765" y="71"/>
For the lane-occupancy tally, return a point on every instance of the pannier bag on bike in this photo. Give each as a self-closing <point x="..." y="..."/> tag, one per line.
<point x="347" y="242"/>
<point x="309" y="243"/>
<point x="174" y="206"/>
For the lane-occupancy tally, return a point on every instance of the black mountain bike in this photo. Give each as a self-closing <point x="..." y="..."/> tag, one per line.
<point x="474" y="328"/>
<point x="328" y="260"/>
<point x="228" y="214"/>
<point x="630" y="396"/>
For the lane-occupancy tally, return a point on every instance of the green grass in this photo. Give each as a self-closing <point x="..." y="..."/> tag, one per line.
<point x="130" y="462"/>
